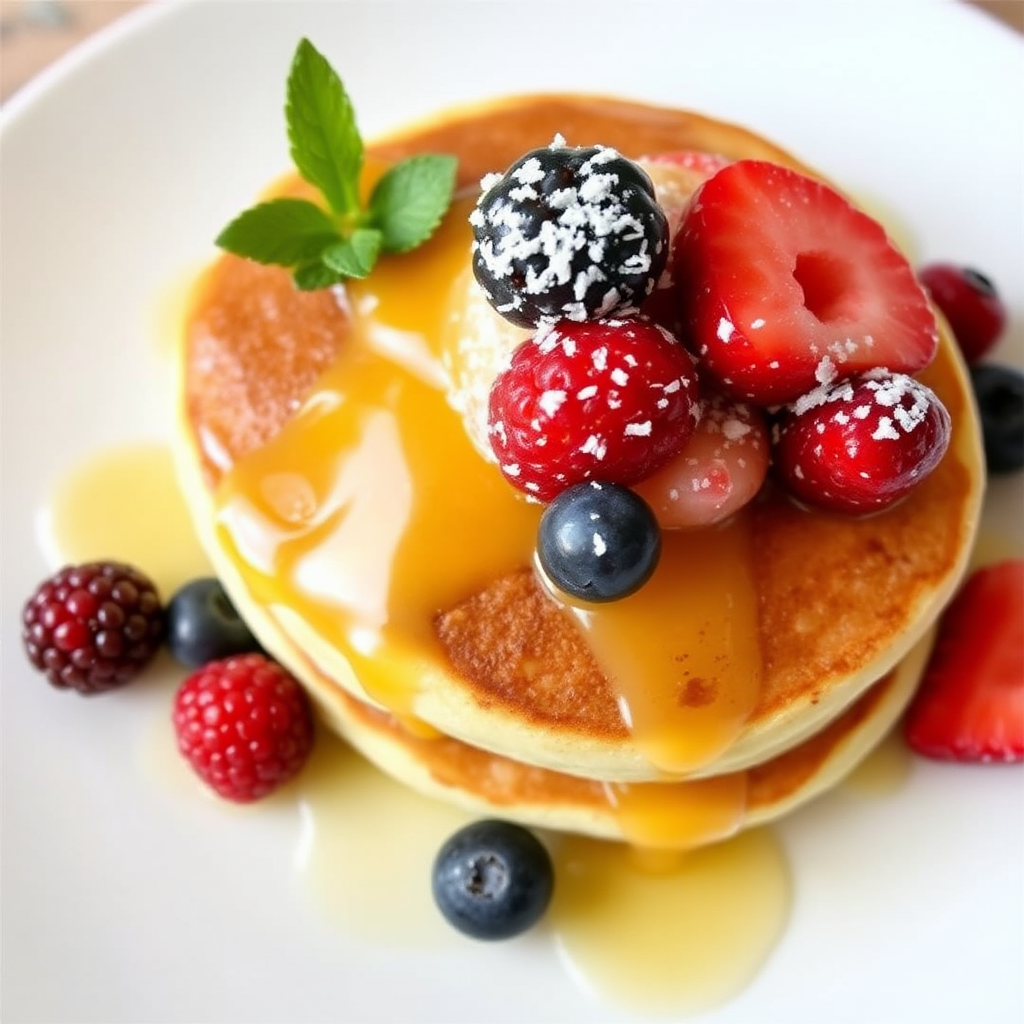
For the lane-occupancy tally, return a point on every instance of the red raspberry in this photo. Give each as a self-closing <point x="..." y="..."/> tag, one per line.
<point x="244" y="724"/>
<point x="610" y="400"/>
<point x="92" y="627"/>
<point x="862" y="444"/>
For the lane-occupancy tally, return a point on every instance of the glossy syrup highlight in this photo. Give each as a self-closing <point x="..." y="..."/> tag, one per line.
<point x="371" y="510"/>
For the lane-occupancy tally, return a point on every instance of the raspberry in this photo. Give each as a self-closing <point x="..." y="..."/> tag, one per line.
<point x="860" y="445"/>
<point x="93" y="627"/>
<point x="245" y="726"/>
<point x="573" y="233"/>
<point x="608" y="400"/>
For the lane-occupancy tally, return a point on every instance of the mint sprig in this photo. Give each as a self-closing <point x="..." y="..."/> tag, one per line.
<point x="324" y="246"/>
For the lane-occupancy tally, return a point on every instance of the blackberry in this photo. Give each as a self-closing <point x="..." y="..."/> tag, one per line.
<point x="93" y="627"/>
<point x="568" y="233"/>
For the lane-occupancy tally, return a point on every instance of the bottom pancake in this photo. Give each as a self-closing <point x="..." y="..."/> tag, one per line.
<point x="356" y="511"/>
<point x="652" y="814"/>
<point x="665" y="815"/>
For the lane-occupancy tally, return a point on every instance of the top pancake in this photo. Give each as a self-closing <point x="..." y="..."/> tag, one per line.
<point x="839" y="600"/>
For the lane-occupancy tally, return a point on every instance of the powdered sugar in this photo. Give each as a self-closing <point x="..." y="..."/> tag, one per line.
<point x="904" y="400"/>
<point x="566" y="233"/>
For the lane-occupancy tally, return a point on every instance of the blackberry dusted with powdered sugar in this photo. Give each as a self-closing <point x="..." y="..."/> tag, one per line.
<point x="568" y="233"/>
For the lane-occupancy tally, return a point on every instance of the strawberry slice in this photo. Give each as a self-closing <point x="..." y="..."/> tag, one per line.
<point x="970" y="706"/>
<point x="781" y="280"/>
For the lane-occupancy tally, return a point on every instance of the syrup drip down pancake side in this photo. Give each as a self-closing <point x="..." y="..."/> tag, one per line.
<point x="386" y="563"/>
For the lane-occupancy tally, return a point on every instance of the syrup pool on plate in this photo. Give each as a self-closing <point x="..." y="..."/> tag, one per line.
<point x="653" y="931"/>
<point x="721" y="909"/>
<point x="125" y="503"/>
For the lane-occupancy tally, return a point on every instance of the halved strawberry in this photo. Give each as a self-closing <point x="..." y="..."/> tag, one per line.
<point x="970" y="706"/>
<point x="777" y="272"/>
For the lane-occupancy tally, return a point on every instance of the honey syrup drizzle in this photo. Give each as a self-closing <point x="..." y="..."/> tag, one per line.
<point x="683" y="651"/>
<point x="370" y="511"/>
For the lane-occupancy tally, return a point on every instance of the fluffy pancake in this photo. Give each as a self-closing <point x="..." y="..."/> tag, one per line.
<point x="653" y="814"/>
<point x="452" y="626"/>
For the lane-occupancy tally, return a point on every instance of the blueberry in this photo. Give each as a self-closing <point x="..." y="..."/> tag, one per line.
<point x="568" y="233"/>
<point x="1000" y="394"/>
<point x="493" y="880"/>
<point x="598" y="541"/>
<point x="203" y="625"/>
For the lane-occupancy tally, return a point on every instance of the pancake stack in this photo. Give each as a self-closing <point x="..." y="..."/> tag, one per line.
<point x="325" y="451"/>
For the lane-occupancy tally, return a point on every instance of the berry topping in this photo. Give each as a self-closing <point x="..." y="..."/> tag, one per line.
<point x="203" y="625"/>
<point x="493" y="880"/>
<point x="721" y="468"/>
<point x="608" y="399"/>
<point x="244" y="724"/>
<point x="598" y="542"/>
<point x="861" y="444"/>
<point x="999" y="391"/>
<point x="93" y="627"/>
<point x="676" y="176"/>
<point x="970" y="705"/>
<point x="700" y="164"/>
<point x="568" y="233"/>
<point x="969" y="302"/>
<point x="778" y="273"/>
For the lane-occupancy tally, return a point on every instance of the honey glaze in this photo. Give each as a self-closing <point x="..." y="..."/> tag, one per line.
<point x="683" y="651"/>
<point x="676" y="816"/>
<point x="367" y="847"/>
<point x="124" y="503"/>
<point x="649" y="929"/>
<point x="370" y="511"/>
<point x="668" y="931"/>
<point x="670" y="937"/>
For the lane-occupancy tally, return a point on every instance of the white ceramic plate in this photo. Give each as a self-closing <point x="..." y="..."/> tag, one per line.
<point x="122" y="902"/>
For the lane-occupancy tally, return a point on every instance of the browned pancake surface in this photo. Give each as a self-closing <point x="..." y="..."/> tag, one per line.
<point x="504" y="782"/>
<point x="834" y="590"/>
<point x="256" y="345"/>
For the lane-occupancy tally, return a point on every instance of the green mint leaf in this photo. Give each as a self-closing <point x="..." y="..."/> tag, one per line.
<point x="325" y="142"/>
<point x="342" y="239"/>
<point x="311" y="277"/>
<point x="409" y="201"/>
<point x="354" y="256"/>
<point x="284" y="232"/>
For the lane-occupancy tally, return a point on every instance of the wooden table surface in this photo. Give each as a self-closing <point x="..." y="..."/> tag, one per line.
<point x="35" y="32"/>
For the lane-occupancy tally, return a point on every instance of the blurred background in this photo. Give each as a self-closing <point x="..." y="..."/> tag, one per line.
<point x="35" y="32"/>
